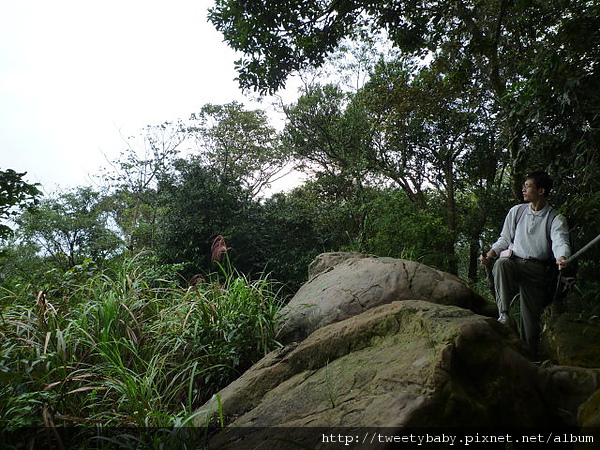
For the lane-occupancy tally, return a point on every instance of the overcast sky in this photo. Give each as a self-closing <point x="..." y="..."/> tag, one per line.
<point x="76" y="76"/>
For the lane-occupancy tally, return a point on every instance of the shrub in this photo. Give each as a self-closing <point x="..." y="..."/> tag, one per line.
<point x="116" y="351"/>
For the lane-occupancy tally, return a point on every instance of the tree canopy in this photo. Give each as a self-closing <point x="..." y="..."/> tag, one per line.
<point x="509" y="49"/>
<point x="14" y="193"/>
<point x="451" y="103"/>
<point x="240" y="144"/>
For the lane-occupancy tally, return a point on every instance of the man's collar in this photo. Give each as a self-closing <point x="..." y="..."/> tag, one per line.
<point x="546" y="205"/>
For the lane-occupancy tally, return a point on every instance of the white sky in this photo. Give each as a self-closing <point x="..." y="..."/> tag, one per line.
<point x="78" y="76"/>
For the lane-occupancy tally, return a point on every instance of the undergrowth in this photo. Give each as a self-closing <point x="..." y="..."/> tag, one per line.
<point x="116" y="351"/>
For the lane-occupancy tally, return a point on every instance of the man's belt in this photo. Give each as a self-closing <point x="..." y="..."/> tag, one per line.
<point x="535" y="260"/>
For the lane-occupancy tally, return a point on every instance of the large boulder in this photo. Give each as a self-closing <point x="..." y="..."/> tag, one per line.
<point x="403" y="364"/>
<point x="570" y="340"/>
<point x="343" y="285"/>
<point x="589" y="412"/>
<point x="327" y="261"/>
<point x="567" y="388"/>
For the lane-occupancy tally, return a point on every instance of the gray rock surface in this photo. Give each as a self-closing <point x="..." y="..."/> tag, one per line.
<point x="570" y="340"/>
<point x="403" y="364"/>
<point x="346" y="284"/>
<point x="393" y="344"/>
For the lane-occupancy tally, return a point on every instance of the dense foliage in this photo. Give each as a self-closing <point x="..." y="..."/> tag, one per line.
<point x="14" y="193"/>
<point x="119" y="349"/>
<point x="116" y="308"/>
<point x="532" y="65"/>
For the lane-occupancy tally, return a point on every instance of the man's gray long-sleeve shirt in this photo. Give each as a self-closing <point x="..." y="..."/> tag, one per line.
<point x="530" y="240"/>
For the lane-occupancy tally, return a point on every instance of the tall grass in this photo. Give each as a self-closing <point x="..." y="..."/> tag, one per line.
<point x="117" y="352"/>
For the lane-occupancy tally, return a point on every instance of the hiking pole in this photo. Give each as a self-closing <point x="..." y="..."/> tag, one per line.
<point x="488" y="271"/>
<point x="583" y="249"/>
<point x="563" y="282"/>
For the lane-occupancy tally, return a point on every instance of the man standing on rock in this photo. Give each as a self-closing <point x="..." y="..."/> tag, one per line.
<point x="533" y="234"/>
